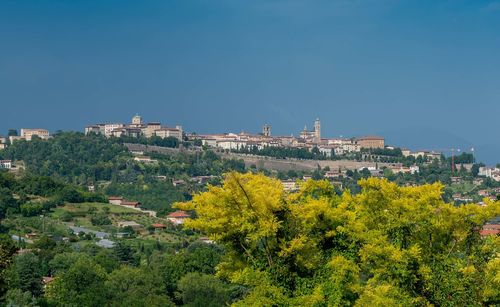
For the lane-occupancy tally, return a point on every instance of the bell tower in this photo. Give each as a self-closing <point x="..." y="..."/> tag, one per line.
<point x="317" y="131"/>
<point x="137" y="120"/>
<point x="266" y="130"/>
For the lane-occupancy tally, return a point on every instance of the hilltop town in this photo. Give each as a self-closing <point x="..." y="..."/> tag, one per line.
<point x="308" y="151"/>
<point x="307" y="144"/>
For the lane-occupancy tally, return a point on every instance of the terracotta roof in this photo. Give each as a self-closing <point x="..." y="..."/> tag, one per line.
<point x="130" y="203"/>
<point x="371" y="137"/>
<point x="47" y="279"/>
<point x="115" y="197"/>
<point x="158" y="225"/>
<point x="488" y="232"/>
<point x="168" y="129"/>
<point x="178" y="214"/>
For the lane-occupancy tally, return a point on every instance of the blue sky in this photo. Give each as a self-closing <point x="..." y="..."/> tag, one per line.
<point x="424" y="74"/>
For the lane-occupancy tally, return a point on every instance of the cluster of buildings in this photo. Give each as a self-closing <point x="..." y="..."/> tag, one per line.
<point x="431" y="155"/>
<point x="490" y="172"/>
<point x="305" y="139"/>
<point x="177" y="218"/>
<point x="26" y="134"/>
<point x="136" y="128"/>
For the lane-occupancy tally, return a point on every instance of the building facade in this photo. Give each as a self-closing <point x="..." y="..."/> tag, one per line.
<point x="371" y="142"/>
<point x="28" y="134"/>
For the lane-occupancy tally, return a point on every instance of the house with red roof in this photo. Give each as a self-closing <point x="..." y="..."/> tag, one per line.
<point x="115" y="200"/>
<point x="490" y="230"/>
<point x="130" y="203"/>
<point x="178" y="217"/>
<point x="158" y="226"/>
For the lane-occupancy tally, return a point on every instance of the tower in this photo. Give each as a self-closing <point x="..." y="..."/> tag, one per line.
<point x="266" y="130"/>
<point x="317" y="131"/>
<point x="137" y="120"/>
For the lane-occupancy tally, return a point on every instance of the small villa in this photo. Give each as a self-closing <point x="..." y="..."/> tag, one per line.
<point x="178" y="217"/>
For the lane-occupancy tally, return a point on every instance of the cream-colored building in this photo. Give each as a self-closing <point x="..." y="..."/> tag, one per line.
<point x="150" y="128"/>
<point x="97" y="129"/>
<point x="28" y="134"/>
<point x="170" y="132"/>
<point x="108" y="129"/>
<point x="432" y="155"/>
<point x="136" y="121"/>
<point x="371" y="142"/>
<point x="231" y="144"/>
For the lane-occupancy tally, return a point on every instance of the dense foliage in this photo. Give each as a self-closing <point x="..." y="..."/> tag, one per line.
<point x="284" y="152"/>
<point x="388" y="245"/>
<point x="105" y="163"/>
<point x="70" y="156"/>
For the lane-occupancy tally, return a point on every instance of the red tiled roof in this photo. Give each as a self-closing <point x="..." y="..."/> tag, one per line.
<point x="488" y="232"/>
<point x="158" y="225"/>
<point x="130" y="203"/>
<point x="178" y="214"/>
<point x="115" y="197"/>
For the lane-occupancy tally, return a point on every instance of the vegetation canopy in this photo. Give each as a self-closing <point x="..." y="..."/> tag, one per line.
<point x="387" y="245"/>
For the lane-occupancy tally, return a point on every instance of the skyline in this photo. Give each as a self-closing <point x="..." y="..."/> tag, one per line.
<point x="422" y="74"/>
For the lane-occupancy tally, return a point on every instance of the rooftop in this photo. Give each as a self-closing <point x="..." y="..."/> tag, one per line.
<point x="179" y="214"/>
<point x="371" y="137"/>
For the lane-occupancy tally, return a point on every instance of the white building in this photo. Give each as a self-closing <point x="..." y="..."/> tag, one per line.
<point x="327" y="150"/>
<point x="231" y="144"/>
<point x="432" y="155"/>
<point x="144" y="159"/>
<point x="6" y="164"/>
<point x="485" y="171"/>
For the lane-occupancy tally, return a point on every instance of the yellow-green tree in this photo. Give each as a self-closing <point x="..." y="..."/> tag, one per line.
<point x="387" y="245"/>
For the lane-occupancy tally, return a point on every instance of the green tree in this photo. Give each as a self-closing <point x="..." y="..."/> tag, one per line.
<point x="124" y="253"/>
<point x="197" y="289"/>
<point x="25" y="274"/>
<point x="31" y="209"/>
<point x="7" y="252"/>
<point x="128" y="286"/>
<point x="16" y="297"/>
<point x="7" y="201"/>
<point x="81" y="285"/>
